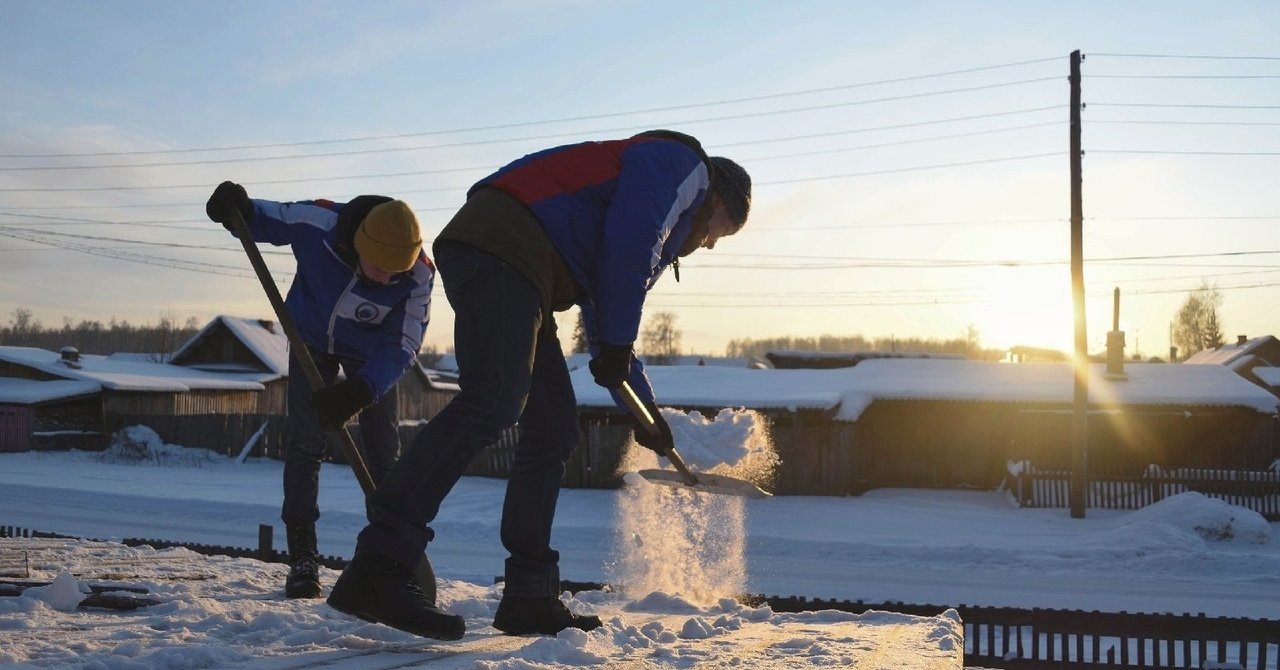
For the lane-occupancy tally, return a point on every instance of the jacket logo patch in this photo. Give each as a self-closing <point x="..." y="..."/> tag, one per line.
<point x="366" y="312"/>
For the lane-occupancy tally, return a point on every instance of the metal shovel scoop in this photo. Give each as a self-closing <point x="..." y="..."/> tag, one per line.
<point x="682" y="477"/>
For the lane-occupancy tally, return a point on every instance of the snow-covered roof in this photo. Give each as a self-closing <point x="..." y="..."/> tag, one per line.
<point x="124" y="375"/>
<point x="1227" y="353"/>
<point x="849" y="391"/>
<point x="1271" y="376"/>
<point x="449" y="363"/>
<point x="29" y="391"/>
<point x="269" y="344"/>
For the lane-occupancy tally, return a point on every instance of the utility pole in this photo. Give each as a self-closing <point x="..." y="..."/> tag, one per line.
<point x="1080" y="399"/>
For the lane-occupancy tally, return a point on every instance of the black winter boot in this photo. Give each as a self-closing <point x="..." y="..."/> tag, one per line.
<point x="376" y="588"/>
<point x="304" y="563"/>
<point x="546" y="615"/>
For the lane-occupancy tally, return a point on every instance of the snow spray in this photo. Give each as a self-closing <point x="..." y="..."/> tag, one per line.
<point x="681" y="542"/>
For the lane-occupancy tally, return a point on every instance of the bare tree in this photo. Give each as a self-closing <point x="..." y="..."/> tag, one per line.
<point x="580" y="345"/>
<point x="1198" y="326"/>
<point x="163" y="339"/>
<point x="661" y="338"/>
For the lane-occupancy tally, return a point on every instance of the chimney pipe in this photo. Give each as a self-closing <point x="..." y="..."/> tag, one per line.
<point x="1115" y="344"/>
<point x="70" y="357"/>
<point x="1241" y="339"/>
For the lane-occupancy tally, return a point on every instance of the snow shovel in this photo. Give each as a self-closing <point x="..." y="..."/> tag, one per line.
<point x="425" y="576"/>
<point x="704" y="482"/>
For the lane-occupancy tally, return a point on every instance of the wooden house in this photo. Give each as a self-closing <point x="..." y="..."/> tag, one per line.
<point x="248" y="349"/>
<point x="826" y="360"/>
<point x="1244" y="356"/>
<point x="115" y="392"/>
<point x="957" y="423"/>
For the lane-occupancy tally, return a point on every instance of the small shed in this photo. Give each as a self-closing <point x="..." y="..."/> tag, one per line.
<point x="46" y="413"/>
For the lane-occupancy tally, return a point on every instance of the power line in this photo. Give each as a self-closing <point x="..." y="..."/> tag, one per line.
<point x="936" y="166"/>
<point x="176" y="264"/>
<point x="920" y="140"/>
<point x="521" y="124"/>
<point x="1181" y="56"/>
<point x="168" y="245"/>
<point x="1179" y="106"/>
<point x="448" y="170"/>
<point x="1002" y="262"/>
<point x="520" y="139"/>
<point x="1183" y="153"/>
<point x="896" y="126"/>
<point x="69" y="221"/>
<point x="1182" y="76"/>
<point x="412" y="173"/>
<point x="459" y="188"/>
<point x="1185" y="123"/>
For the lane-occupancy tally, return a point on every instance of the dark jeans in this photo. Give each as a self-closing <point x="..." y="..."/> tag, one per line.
<point x="510" y="368"/>
<point x="307" y="441"/>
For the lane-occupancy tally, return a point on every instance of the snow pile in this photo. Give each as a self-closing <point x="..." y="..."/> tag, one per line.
<point x="1184" y="522"/>
<point x="62" y="594"/>
<point x="141" y="445"/>
<point x="674" y="540"/>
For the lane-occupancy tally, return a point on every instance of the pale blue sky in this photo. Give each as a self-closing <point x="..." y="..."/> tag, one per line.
<point x="468" y="86"/>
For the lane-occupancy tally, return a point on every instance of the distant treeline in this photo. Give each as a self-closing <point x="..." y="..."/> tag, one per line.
<point x="95" y="337"/>
<point x="967" y="345"/>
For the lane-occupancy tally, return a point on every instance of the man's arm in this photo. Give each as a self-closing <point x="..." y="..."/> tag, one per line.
<point x="658" y="182"/>
<point x="637" y="378"/>
<point x="281" y="223"/>
<point x="401" y="334"/>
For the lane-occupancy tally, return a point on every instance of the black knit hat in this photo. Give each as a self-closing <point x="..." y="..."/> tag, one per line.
<point x="733" y="185"/>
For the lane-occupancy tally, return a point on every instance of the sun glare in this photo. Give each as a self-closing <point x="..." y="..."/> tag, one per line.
<point x="1026" y="307"/>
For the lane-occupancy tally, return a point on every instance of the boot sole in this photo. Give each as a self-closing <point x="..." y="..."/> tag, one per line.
<point x="309" y="590"/>
<point x="371" y="617"/>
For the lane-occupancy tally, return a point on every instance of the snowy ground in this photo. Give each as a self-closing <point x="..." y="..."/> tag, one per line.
<point x="1186" y="554"/>
<point x="223" y="612"/>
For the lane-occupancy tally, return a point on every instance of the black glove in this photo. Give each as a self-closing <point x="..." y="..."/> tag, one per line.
<point x="612" y="365"/>
<point x="336" y="404"/>
<point x="658" y="443"/>
<point x="228" y="196"/>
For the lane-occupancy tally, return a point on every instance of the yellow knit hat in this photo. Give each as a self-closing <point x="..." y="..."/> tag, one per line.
<point x="389" y="237"/>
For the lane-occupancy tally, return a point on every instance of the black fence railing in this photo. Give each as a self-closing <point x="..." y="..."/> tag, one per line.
<point x="1008" y="638"/>
<point x="1255" y="490"/>
<point x="1039" y="639"/>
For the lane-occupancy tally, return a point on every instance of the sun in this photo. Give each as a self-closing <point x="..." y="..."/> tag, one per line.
<point x="1026" y="306"/>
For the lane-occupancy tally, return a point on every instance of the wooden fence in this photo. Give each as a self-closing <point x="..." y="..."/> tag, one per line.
<point x="1040" y="639"/>
<point x="1258" y="491"/>
<point x="593" y="464"/>
<point x="223" y="433"/>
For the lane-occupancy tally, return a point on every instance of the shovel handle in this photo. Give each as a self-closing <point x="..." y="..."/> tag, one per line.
<point x="300" y="351"/>
<point x="651" y="426"/>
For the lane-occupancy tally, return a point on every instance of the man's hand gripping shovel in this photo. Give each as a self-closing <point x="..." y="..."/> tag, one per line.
<point x="425" y="577"/>
<point x="682" y="478"/>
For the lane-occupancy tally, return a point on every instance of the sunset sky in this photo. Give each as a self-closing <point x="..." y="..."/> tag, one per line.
<point x="910" y="158"/>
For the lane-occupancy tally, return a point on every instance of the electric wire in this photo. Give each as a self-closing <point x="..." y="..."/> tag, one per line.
<point x="1181" y="56"/>
<point x="522" y="124"/>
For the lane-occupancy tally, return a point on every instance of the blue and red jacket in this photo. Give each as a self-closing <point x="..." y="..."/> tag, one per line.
<point x="617" y="212"/>
<point x="337" y="312"/>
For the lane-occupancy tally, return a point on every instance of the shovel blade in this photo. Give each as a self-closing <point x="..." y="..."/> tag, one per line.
<point x="707" y="483"/>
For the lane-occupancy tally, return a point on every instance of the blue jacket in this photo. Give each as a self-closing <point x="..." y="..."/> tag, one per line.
<point x="618" y="213"/>
<point x="336" y="311"/>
